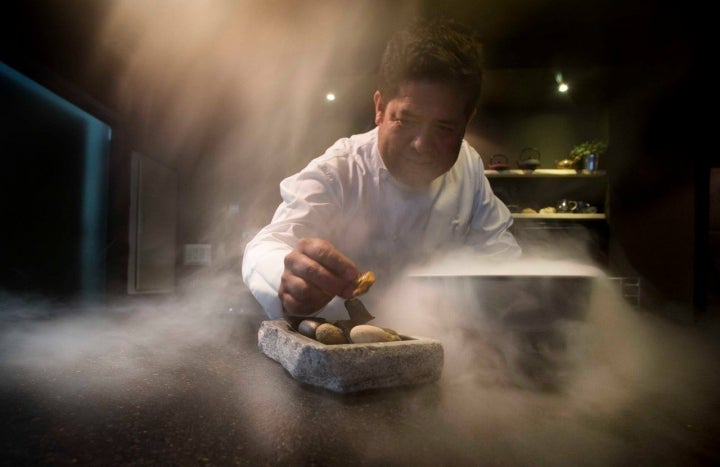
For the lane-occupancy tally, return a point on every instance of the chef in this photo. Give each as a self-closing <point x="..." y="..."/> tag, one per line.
<point x="409" y="189"/>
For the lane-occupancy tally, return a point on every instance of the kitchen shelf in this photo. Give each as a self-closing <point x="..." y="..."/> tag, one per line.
<point x="540" y="233"/>
<point x="542" y="188"/>
<point x="543" y="173"/>
<point x="561" y="216"/>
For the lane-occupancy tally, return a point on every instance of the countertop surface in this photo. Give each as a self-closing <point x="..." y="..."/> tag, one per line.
<point x="149" y="387"/>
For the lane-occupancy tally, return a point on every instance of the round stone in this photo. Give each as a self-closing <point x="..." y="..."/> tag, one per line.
<point x="330" y="334"/>
<point x="366" y="334"/>
<point x="307" y="327"/>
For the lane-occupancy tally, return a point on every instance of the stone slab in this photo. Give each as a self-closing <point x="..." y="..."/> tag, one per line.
<point x="348" y="368"/>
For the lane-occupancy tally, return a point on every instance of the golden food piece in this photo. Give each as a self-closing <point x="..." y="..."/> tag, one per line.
<point x="363" y="283"/>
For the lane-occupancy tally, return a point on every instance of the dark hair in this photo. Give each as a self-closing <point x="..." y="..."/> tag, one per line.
<point x="438" y="50"/>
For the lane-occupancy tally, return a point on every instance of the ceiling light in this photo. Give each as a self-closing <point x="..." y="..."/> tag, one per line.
<point x="562" y="85"/>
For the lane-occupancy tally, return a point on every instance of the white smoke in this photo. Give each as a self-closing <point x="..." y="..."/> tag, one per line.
<point x="232" y="93"/>
<point x="620" y="378"/>
<point x="615" y="368"/>
<point x="615" y="377"/>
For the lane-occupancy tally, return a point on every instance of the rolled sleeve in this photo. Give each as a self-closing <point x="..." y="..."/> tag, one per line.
<point x="306" y="208"/>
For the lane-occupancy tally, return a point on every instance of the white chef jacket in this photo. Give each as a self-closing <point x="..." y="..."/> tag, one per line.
<point x="348" y="197"/>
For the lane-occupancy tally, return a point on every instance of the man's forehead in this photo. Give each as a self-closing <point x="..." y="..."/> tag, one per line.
<point x="438" y="106"/>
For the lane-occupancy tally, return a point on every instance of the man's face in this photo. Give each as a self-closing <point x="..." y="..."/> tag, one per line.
<point x="420" y="131"/>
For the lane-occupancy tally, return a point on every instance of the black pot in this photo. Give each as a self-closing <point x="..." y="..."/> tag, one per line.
<point x="523" y="302"/>
<point x="528" y="319"/>
<point x="529" y="159"/>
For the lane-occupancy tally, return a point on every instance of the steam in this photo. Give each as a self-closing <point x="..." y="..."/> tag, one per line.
<point x="118" y="344"/>
<point x="239" y="82"/>
<point x="619" y="376"/>
<point x="614" y="368"/>
<point x="233" y="92"/>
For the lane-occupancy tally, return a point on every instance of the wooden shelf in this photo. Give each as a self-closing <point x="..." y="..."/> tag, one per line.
<point x="561" y="216"/>
<point x="542" y="173"/>
<point x="543" y="188"/>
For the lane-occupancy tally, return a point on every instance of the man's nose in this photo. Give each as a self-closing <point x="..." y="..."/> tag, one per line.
<point x="423" y="140"/>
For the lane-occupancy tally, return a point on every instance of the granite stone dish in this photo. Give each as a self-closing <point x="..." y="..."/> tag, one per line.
<point x="349" y="368"/>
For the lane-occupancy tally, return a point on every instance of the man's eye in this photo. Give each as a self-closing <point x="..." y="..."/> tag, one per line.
<point x="403" y="125"/>
<point x="446" y="128"/>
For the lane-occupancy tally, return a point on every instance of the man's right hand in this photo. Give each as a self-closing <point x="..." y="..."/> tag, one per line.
<point x="315" y="272"/>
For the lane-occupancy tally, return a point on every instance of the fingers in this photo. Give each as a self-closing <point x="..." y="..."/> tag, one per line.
<point x="314" y="273"/>
<point x="323" y="266"/>
<point x="300" y="298"/>
<point x="329" y="258"/>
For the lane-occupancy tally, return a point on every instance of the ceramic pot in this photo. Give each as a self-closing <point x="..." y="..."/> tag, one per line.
<point x="498" y="162"/>
<point x="529" y="159"/>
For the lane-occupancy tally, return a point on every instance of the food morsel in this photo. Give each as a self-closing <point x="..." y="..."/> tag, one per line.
<point x="364" y="282"/>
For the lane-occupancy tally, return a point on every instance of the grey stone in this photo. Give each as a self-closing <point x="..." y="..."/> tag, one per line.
<point x="308" y="327"/>
<point x="351" y="367"/>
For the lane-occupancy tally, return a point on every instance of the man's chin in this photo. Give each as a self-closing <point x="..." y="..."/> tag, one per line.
<point x="415" y="183"/>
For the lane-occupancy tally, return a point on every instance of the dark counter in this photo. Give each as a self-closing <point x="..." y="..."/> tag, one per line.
<point x="154" y="388"/>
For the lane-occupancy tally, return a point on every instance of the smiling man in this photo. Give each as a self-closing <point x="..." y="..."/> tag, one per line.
<point x="408" y="189"/>
<point x="420" y="131"/>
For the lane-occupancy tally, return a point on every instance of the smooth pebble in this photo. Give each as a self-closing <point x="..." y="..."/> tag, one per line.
<point x="366" y="333"/>
<point x="307" y="327"/>
<point x="330" y="334"/>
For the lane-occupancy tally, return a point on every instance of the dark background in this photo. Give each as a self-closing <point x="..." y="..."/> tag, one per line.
<point x="637" y="68"/>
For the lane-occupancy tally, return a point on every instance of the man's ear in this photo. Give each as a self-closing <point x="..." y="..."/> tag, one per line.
<point x="379" y="107"/>
<point x="469" y="119"/>
<point x="472" y="115"/>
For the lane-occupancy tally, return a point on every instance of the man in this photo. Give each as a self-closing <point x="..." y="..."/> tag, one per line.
<point x="407" y="189"/>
